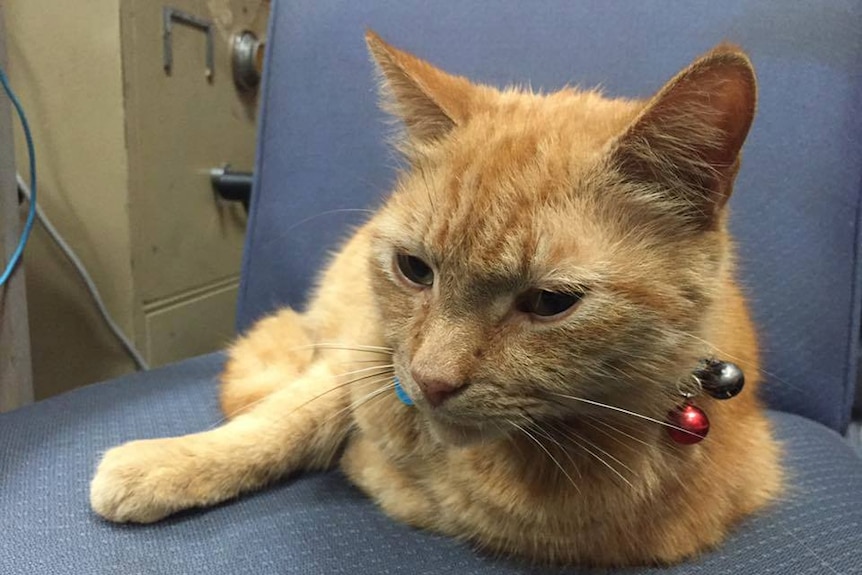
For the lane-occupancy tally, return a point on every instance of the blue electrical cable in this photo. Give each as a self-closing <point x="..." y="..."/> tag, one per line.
<point x="31" y="214"/>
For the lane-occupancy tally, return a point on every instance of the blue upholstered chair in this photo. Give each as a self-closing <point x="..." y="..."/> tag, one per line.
<point x="321" y="149"/>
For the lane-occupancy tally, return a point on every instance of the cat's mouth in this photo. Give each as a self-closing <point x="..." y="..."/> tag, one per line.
<point x="455" y="428"/>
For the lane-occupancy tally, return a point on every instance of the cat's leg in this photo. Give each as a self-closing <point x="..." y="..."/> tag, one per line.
<point x="400" y="496"/>
<point x="300" y="426"/>
<point x="275" y="352"/>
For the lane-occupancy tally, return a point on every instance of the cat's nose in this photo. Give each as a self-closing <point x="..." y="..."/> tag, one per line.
<point x="435" y="389"/>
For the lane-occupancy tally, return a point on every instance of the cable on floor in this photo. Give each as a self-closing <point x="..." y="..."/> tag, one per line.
<point x="67" y="250"/>
<point x="31" y="152"/>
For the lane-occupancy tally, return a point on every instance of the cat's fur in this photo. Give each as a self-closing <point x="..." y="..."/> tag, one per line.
<point x="620" y="200"/>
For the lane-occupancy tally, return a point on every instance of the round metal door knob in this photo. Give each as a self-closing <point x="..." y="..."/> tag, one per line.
<point x="247" y="60"/>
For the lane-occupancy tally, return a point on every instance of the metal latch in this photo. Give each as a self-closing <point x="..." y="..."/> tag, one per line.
<point x="231" y="185"/>
<point x="171" y="15"/>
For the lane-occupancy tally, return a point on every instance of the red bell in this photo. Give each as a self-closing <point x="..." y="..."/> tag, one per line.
<point x="690" y="424"/>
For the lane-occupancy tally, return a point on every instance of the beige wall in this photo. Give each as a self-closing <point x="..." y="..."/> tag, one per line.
<point x="65" y="63"/>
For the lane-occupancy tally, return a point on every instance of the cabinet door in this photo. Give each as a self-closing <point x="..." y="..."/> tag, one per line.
<point x="186" y="245"/>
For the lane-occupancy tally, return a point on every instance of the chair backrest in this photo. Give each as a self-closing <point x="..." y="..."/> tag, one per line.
<point x="795" y="213"/>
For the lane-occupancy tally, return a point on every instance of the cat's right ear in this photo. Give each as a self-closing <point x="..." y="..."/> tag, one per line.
<point x="429" y="101"/>
<point x="689" y="136"/>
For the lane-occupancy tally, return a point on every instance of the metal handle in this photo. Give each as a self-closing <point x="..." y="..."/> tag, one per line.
<point x="171" y="15"/>
<point x="232" y="186"/>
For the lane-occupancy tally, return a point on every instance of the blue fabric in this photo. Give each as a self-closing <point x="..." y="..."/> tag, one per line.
<point x="318" y="523"/>
<point x="796" y="210"/>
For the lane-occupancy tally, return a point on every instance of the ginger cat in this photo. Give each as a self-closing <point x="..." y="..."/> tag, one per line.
<point x="545" y="274"/>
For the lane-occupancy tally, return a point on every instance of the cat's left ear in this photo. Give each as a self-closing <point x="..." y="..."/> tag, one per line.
<point x="429" y="101"/>
<point x="688" y="137"/>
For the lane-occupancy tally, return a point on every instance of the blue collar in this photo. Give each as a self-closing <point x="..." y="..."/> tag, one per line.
<point x="402" y="395"/>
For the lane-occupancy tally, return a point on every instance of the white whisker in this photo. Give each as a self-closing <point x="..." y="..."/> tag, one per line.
<point x="358" y="380"/>
<point x="388" y="366"/>
<point x="535" y="425"/>
<point x="616" y="429"/>
<point x="284" y="233"/>
<point x="350" y="347"/>
<point x="545" y="449"/>
<point x="363" y="400"/>
<point x="732" y="357"/>
<point x="602" y="460"/>
<point x="625" y="411"/>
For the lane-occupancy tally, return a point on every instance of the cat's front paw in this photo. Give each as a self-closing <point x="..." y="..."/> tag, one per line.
<point x="134" y="482"/>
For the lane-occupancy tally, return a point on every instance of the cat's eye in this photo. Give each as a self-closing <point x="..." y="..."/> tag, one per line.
<point x="415" y="270"/>
<point x="547" y="304"/>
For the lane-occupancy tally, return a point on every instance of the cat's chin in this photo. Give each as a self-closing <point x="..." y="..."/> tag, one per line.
<point x="460" y="435"/>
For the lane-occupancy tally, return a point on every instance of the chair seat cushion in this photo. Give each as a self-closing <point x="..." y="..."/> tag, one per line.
<point x="318" y="523"/>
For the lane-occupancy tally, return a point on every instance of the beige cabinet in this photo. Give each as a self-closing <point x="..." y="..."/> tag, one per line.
<point x="126" y="146"/>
